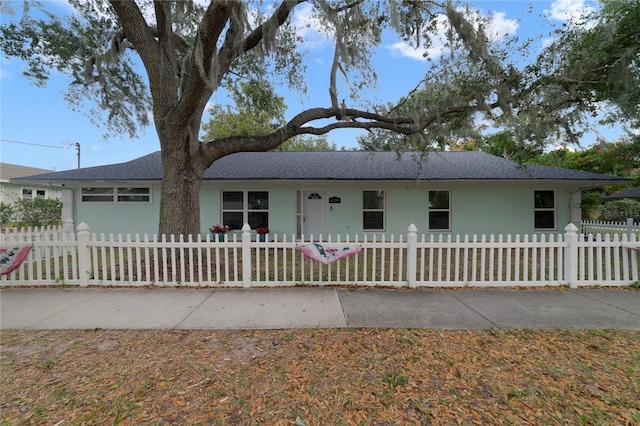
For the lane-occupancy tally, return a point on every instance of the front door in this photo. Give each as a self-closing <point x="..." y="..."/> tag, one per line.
<point x="314" y="214"/>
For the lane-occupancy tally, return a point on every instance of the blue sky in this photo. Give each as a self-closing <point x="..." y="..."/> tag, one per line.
<point x="38" y="128"/>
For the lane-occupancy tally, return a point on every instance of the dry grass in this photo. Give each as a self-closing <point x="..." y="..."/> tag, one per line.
<point x="322" y="377"/>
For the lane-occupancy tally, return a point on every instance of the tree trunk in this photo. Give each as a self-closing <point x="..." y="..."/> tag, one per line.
<point x="180" y="195"/>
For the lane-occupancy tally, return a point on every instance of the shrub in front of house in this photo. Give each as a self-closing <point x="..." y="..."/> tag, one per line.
<point x="38" y="212"/>
<point x="6" y="213"/>
<point x="620" y="210"/>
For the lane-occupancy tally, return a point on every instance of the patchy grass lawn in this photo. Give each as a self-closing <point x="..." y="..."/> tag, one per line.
<point x="321" y="377"/>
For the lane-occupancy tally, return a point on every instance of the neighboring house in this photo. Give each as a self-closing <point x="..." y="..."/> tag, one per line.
<point x="340" y="193"/>
<point x="633" y="193"/>
<point x="12" y="191"/>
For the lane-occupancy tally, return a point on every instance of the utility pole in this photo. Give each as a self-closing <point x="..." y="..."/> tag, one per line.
<point x="78" y="149"/>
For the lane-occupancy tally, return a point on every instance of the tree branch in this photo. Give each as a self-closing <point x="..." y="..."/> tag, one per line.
<point x="136" y="30"/>
<point x="165" y="38"/>
<point x="218" y="148"/>
<point x="278" y="18"/>
<point x="197" y="91"/>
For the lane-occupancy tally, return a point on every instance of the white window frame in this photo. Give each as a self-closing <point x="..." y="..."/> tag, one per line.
<point x="245" y="205"/>
<point x="112" y="198"/>
<point x="546" y="209"/>
<point x="383" y="210"/>
<point x="27" y="194"/>
<point x="430" y="210"/>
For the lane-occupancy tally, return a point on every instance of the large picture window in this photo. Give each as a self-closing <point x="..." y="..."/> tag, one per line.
<point x="439" y="210"/>
<point x="240" y="207"/>
<point x="118" y="194"/>
<point x="373" y="210"/>
<point x="544" y="210"/>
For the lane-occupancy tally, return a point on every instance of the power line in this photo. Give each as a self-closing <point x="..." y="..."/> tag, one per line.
<point x="36" y="144"/>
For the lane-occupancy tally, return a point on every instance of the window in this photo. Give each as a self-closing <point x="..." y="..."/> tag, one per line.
<point x="544" y="210"/>
<point x="124" y="194"/>
<point x="97" y="195"/>
<point x="133" y="195"/>
<point x="240" y="207"/>
<point x="373" y="210"/>
<point x="439" y="210"/>
<point x="27" y="194"/>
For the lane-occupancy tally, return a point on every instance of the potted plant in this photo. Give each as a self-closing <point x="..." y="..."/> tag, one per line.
<point x="262" y="231"/>
<point x="219" y="231"/>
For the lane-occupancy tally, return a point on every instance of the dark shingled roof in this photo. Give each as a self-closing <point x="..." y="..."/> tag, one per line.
<point x="12" y="171"/>
<point x="626" y="193"/>
<point x="337" y="165"/>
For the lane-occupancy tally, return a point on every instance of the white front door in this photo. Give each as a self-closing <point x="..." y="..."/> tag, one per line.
<point x="314" y="212"/>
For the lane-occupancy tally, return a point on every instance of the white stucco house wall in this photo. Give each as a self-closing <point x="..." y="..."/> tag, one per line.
<point x="11" y="191"/>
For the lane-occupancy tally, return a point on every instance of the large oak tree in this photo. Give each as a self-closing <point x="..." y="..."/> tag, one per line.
<point x="165" y="59"/>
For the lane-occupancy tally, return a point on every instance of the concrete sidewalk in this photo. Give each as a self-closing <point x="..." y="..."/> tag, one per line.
<point x="278" y="308"/>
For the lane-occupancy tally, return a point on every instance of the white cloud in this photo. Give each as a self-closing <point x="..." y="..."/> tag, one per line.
<point x="569" y="10"/>
<point x="547" y="42"/>
<point x="572" y="12"/>
<point x="437" y="48"/>
<point x="418" y="53"/>
<point x="498" y="28"/>
<point x="313" y="33"/>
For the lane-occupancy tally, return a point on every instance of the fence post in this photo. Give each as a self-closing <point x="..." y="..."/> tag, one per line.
<point x="629" y="227"/>
<point x="83" y="255"/>
<point x="571" y="255"/>
<point x="412" y="254"/>
<point x="246" y="255"/>
<point x="67" y="226"/>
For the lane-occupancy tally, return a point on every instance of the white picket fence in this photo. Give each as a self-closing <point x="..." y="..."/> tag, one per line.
<point x="61" y="258"/>
<point x="602" y="227"/>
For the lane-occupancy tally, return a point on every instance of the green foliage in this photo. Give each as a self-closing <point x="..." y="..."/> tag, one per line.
<point x="39" y="212"/>
<point x="552" y="98"/>
<point x="444" y="101"/>
<point x="504" y="144"/>
<point x="67" y="44"/>
<point x="258" y="111"/>
<point x="620" y="158"/>
<point x="395" y="379"/>
<point x="620" y="210"/>
<point x="7" y="213"/>
<point x="48" y="364"/>
<point x="307" y="143"/>
<point x="605" y="57"/>
<point x="590" y="203"/>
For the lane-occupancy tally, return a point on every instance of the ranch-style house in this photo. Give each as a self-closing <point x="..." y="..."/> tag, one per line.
<point x="342" y="192"/>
